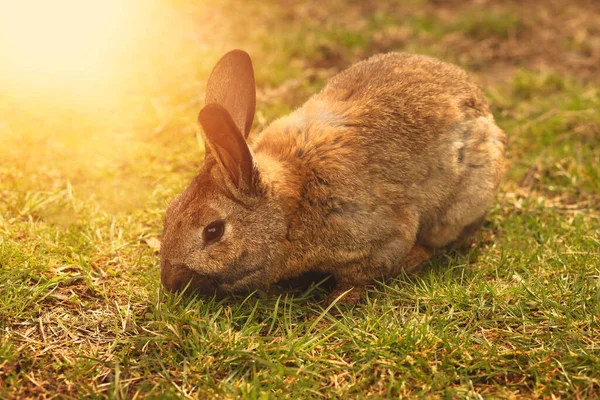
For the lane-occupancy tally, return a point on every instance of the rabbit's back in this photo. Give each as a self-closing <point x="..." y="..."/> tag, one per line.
<point x="403" y="127"/>
<point x="405" y="100"/>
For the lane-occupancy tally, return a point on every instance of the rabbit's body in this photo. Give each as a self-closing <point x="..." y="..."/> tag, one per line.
<point x="397" y="158"/>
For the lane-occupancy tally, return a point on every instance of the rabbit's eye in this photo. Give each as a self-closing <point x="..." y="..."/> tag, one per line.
<point x="213" y="232"/>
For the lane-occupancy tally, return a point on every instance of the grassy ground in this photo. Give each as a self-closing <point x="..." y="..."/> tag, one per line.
<point x="84" y="184"/>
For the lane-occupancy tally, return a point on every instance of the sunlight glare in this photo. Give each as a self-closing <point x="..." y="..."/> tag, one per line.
<point x="62" y="42"/>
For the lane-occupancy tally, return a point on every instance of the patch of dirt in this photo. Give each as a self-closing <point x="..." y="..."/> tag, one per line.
<point x="558" y="35"/>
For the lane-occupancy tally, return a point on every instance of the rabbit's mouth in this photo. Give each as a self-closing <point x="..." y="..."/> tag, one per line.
<point x="179" y="278"/>
<point x="243" y="279"/>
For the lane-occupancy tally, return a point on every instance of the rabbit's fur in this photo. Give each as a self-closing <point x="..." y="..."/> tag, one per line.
<point x="396" y="159"/>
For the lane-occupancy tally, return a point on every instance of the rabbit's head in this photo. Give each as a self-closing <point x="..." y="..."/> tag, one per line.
<point x="223" y="233"/>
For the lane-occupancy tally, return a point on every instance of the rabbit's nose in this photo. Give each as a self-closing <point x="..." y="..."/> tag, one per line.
<point x="175" y="277"/>
<point x="179" y="277"/>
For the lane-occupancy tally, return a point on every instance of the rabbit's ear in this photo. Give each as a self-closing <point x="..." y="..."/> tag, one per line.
<point x="231" y="85"/>
<point x="228" y="146"/>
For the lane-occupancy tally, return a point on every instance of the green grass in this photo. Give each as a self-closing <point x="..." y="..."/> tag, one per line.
<point x="84" y="184"/>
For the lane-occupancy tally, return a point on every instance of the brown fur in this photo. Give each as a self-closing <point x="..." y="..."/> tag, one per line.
<point x="396" y="159"/>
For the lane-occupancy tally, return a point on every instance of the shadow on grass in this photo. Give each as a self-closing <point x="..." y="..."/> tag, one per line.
<point x="313" y="288"/>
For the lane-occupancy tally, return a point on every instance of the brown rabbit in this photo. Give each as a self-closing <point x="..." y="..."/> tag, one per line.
<point x="396" y="159"/>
